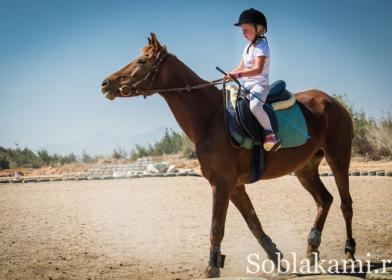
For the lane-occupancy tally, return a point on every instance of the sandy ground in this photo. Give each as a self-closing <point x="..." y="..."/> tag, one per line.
<point x="357" y="164"/>
<point x="158" y="228"/>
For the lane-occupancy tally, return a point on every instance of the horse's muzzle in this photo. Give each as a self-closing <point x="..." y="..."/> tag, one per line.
<point x="108" y="90"/>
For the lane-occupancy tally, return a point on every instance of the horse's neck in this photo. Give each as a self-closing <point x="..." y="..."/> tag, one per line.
<point x="195" y="111"/>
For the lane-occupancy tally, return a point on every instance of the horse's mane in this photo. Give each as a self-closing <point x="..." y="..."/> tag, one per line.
<point x="148" y="50"/>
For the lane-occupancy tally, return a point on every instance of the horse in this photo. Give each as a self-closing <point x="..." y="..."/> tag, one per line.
<point x="198" y="108"/>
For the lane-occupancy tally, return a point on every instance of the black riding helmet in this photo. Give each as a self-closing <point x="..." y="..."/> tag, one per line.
<point x="252" y="16"/>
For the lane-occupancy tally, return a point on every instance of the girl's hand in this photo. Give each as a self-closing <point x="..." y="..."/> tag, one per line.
<point x="231" y="76"/>
<point x="228" y="78"/>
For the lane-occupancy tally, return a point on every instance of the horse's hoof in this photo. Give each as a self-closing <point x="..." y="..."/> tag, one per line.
<point x="350" y="256"/>
<point x="313" y="257"/>
<point x="212" y="272"/>
<point x="349" y="248"/>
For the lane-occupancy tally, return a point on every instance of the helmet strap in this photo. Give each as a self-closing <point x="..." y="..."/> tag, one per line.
<point x="255" y="40"/>
<point x="256" y="36"/>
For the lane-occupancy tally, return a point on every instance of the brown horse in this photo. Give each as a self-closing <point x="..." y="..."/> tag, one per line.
<point x="198" y="108"/>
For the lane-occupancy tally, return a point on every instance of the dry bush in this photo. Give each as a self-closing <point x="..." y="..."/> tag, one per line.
<point x="380" y="136"/>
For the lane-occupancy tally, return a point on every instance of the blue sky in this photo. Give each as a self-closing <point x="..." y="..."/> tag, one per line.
<point x="55" y="54"/>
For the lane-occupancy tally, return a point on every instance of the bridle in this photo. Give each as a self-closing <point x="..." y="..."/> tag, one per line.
<point x="153" y="71"/>
<point x="127" y="90"/>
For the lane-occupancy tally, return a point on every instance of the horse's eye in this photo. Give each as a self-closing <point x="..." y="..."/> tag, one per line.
<point x="142" y="61"/>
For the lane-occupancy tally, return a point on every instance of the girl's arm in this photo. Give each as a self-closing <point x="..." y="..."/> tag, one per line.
<point x="259" y="65"/>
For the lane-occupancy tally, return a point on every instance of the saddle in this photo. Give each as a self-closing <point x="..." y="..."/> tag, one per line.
<point x="279" y="98"/>
<point x="246" y="125"/>
<point x="286" y="118"/>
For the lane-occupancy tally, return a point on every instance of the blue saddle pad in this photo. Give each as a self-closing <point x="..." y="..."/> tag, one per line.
<point x="289" y="124"/>
<point x="292" y="128"/>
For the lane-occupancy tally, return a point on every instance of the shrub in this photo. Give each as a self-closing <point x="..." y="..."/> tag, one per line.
<point x="23" y="158"/>
<point x="188" y="148"/>
<point x="68" y="159"/>
<point x="44" y="156"/>
<point x="171" y="143"/>
<point x="380" y="135"/>
<point x="119" y="154"/>
<point x="372" y="139"/>
<point x="141" y="151"/>
<point x="4" y="160"/>
<point x="86" y="158"/>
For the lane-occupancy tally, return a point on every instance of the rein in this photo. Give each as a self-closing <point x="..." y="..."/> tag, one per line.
<point x="127" y="90"/>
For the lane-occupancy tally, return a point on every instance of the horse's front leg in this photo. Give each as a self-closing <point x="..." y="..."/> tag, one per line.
<point x="220" y="203"/>
<point x="241" y="200"/>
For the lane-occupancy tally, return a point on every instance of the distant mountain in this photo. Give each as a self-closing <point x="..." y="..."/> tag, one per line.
<point x="103" y="143"/>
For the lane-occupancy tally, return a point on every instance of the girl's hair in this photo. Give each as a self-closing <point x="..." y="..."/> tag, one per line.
<point x="259" y="35"/>
<point x="261" y="32"/>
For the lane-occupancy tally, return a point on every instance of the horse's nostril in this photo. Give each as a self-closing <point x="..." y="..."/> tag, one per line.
<point x="105" y="83"/>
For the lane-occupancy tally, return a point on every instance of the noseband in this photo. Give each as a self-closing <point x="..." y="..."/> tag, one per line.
<point x="126" y="90"/>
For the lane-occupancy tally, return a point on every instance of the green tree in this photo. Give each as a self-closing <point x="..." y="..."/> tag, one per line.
<point x="188" y="148"/>
<point x="119" y="154"/>
<point x="24" y="158"/>
<point x="171" y="143"/>
<point x="44" y="156"/>
<point x="68" y="159"/>
<point x="140" y="151"/>
<point x="4" y="159"/>
<point x="86" y="158"/>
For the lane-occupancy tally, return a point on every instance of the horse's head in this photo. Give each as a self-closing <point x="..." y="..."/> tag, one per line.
<point x="139" y="75"/>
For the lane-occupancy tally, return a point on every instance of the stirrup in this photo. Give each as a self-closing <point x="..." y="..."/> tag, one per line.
<point x="275" y="146"/>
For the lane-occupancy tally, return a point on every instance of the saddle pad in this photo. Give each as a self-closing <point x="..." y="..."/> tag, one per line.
<point x="292" y="127"/>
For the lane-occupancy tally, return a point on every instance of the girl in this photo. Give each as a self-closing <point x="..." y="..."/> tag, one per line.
<point x="254" y="70"/>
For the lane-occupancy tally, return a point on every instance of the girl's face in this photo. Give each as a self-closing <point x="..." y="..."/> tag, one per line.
<point x="249" y="32"/>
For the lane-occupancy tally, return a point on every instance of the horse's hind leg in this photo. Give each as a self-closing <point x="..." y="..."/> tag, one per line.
<point x="339" y="160"/>
<point x="310" y="180"/>
<point x="242" y="202"/>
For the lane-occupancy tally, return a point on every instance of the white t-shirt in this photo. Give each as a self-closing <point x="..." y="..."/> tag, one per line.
<point x="261" y="49"/>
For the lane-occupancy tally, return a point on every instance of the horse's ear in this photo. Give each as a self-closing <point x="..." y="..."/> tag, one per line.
<point x="153" y="37"/>
<point x="149" y="41"/>
<point x="155" y="42"/>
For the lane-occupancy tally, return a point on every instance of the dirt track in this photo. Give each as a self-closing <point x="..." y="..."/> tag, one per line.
<point x="158" y="228"/>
